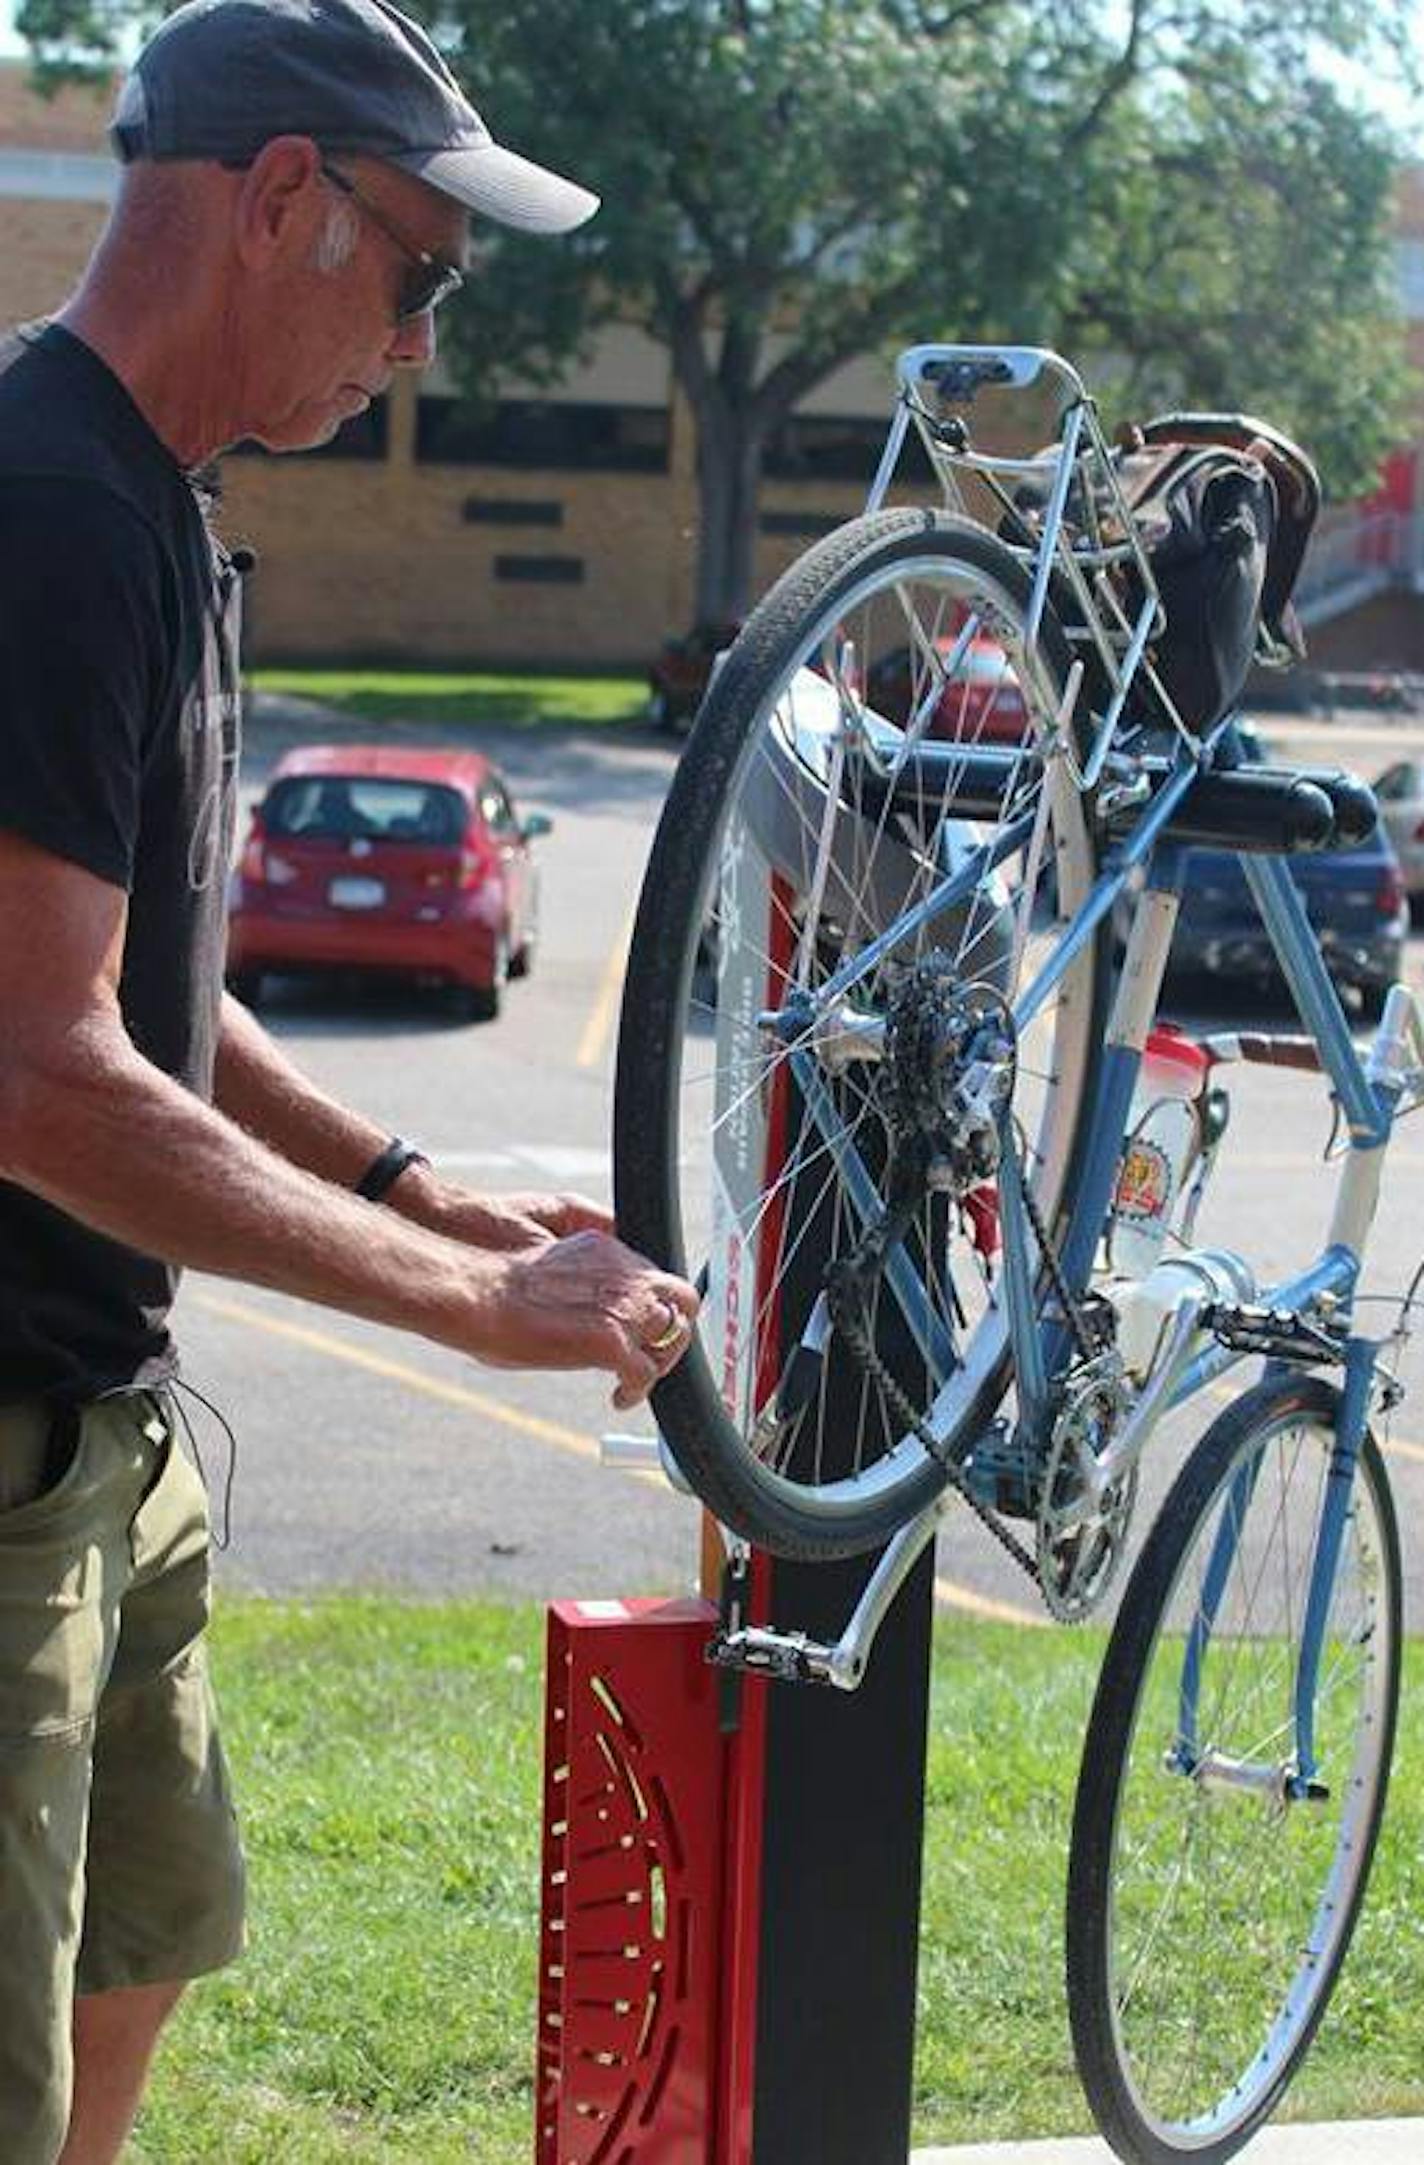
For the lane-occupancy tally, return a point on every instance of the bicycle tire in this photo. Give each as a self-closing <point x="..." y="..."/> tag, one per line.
<point x="1172" y="2069"/>
<point x="720" y="795"/>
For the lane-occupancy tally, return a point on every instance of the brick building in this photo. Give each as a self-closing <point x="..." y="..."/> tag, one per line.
<point x="564" y="527"/>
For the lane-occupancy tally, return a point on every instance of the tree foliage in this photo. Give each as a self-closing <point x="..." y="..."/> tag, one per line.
<point x="1175" y="191"/>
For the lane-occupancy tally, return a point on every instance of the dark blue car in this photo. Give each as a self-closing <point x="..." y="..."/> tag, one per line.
<point x="1355" y="900"/>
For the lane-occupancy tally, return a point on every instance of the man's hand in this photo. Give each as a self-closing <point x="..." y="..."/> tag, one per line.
<point x="507" y="1223"/>
<point x="589" y="1302"/>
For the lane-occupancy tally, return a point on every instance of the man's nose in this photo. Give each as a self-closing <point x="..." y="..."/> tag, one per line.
<point x="413" y="343"/>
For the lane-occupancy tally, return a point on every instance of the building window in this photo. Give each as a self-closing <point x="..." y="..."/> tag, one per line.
<point x="825" y="447"/>
<point x="820" y="447"/>
<point x="510" y="511"/>
<point x="364" y="436"/>
<point x="537" y="432"/>
<point x="540" y="570"/>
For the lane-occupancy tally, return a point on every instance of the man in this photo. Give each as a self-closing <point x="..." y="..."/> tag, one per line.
<point x="298" y="176"/>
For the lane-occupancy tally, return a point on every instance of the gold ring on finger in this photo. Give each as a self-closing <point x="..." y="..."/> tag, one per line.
<point x="676" y="1325"/>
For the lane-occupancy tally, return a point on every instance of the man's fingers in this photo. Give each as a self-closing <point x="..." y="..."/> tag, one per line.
<point x="582" y="1216"/>
<point x="637" y="1373"/>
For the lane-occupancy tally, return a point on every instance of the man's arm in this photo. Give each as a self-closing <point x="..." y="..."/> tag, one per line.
<point x="258" y="1087"/>
<point x="93" y="1127"/>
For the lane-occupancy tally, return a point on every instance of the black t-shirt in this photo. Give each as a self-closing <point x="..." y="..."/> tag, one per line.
<point x="118" y="751"/>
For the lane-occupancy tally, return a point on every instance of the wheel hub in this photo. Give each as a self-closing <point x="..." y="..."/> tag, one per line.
<point x="949" y="1074"/>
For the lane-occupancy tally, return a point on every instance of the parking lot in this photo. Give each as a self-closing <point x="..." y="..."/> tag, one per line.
<point x="365" y="1457"/>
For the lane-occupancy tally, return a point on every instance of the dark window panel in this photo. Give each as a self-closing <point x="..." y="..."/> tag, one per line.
<point x="540" y="570"/>
<point x="827" y="447"/>
<point x="510" y="511"/>
<point x="537" y="433"/>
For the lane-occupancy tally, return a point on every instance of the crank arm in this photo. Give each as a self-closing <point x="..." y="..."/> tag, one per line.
<point x="1172" y="1364"/>
<point x="789" y="1657"/>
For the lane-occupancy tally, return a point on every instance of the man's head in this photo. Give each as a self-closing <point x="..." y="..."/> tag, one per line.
<point x="220" y="78"/>
<point x="303" y="170"/>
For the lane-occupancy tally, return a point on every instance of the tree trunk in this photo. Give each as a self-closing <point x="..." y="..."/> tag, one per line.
<point x="729" y="463"/>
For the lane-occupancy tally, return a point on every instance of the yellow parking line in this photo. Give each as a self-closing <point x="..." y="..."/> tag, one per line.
<point x="951" y="1595"/>
<point x="377" y="1364"/>
<point x="594" y="1041"/>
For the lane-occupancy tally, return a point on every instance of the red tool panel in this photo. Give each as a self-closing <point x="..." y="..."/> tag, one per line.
<point x="634" y="1770"/>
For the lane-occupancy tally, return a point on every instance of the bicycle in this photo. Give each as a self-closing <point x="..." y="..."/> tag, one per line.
<point x="876" y="1070"/>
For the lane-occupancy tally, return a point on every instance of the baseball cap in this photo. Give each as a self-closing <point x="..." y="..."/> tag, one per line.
<point x="219" y="78"/>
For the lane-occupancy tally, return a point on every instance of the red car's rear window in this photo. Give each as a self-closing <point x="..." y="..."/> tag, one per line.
<point x="337" y="808"/>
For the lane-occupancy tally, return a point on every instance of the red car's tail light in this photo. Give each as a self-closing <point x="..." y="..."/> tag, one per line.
<point x="472" y="867"/>
<point x="262" y="866"/>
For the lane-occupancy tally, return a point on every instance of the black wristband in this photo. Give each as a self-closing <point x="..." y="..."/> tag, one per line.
<point x="382" y="1174"/>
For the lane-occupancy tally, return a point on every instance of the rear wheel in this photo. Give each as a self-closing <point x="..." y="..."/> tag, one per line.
<point x="1211" y="1900"/>
<point x="247" y="986"/>
<point x="481" y="1003"/>
<point x="816" y="863"/>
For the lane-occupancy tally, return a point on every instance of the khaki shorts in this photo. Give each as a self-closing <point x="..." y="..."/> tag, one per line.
<point x="119" y="1856"/>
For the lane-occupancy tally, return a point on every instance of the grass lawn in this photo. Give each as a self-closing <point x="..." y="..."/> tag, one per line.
<point x="387" y="1760"/>
<point x="513" y="698"/>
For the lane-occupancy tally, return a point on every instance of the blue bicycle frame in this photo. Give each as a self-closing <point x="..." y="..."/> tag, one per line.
<point x="1368" y="1095"/>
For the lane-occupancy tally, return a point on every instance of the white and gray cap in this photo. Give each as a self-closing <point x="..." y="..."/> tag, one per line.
<point x="219" y="78"/>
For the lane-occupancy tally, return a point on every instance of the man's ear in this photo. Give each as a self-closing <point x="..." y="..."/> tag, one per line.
<point x="279" y="198"/>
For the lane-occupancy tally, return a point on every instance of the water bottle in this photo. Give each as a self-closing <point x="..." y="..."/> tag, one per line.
<point x="1166" y="1133"/>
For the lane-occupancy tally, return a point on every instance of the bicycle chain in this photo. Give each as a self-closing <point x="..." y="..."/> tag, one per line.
<point x="861" y="1344"/>
<point x="862" y="1347"/>
<point x="1051" y="1264"/>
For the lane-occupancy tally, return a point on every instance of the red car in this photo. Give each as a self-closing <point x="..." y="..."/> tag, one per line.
<point x="401" y="862"/>
<point x="980" y="704"/>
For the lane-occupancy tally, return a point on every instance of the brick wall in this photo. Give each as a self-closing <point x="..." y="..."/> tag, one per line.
<point x="43" y="248"/>
<point x="74" y="119"/>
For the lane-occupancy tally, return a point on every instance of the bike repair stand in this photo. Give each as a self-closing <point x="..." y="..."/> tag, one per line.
<point x="732" y="1868"/>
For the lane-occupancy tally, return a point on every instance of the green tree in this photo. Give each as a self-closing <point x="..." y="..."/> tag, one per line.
<point x="1175" y="187"/>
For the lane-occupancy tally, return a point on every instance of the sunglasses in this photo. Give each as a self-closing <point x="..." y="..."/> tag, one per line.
<point x="429" y="279"/>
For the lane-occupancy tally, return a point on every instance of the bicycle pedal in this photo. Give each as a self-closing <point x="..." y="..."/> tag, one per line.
<point x="788" y="1657"/>
<point x="1279" y="1334"/>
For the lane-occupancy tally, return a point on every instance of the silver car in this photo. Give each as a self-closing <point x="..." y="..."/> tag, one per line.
<point x="1400" y="793"/>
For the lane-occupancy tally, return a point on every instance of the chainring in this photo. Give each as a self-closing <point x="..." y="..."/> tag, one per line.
<point x="1081" y="1539"/>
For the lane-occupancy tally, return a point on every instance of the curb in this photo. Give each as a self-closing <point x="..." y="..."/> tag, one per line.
<point x="1353" y="2142"/>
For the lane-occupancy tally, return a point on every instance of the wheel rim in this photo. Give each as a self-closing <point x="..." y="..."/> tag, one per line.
<point x="1260" y="1894"/>
<point x="802" y="824"/>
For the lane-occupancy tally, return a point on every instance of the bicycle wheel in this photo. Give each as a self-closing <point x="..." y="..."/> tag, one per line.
<point x="817" y="860"/>
<point x="1208" y="1909"/>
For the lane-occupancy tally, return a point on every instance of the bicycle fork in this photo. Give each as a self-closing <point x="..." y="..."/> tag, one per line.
<point x="1296" y="1778"/>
